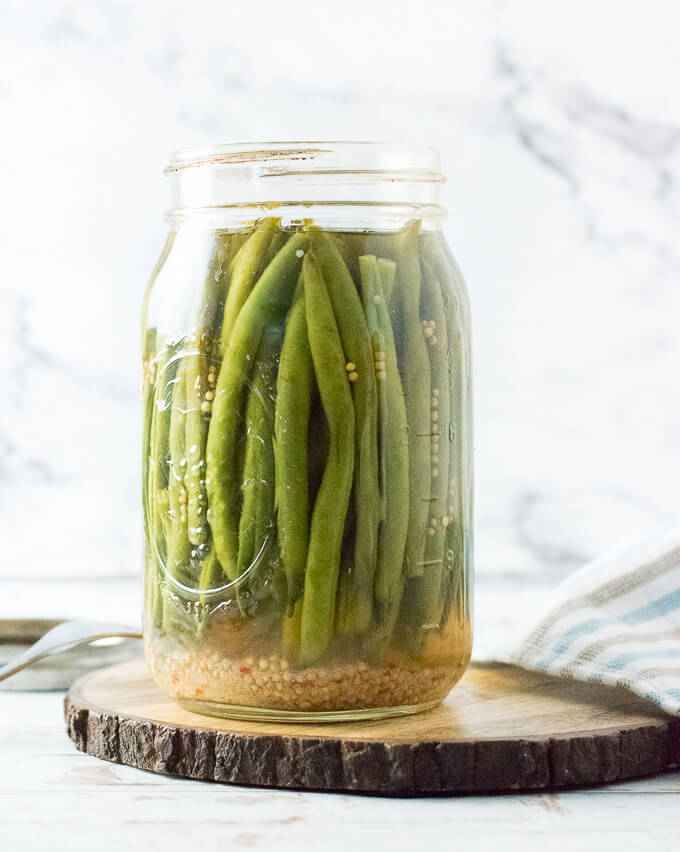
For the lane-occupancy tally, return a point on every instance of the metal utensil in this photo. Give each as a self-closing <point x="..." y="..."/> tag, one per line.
<point x="67" y="635"/>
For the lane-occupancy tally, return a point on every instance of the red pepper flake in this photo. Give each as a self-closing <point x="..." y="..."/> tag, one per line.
<point x="175" y="678"/>
<point x="245" y="670"/>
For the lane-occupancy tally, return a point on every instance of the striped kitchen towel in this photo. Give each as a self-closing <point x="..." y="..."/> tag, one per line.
<point x="616" y="621"/>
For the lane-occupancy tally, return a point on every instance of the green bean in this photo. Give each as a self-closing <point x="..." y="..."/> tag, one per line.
<point x="343" y="602"/>
<point x="436" y="334"/>
<point x="210" y="572"/>
<point x="227" y="249"/>
<point x="394" y="466"/>
<point x="165" y="370"/>
<point x="198" y="406"/>
<point x="368" y="270"/>
<point x="210" y="310"/>
<point x="417" y="391"/>
<point x="171" y="542"/>
<point x="290" y="631"/>
<point x="293" y="402"/>
<point x="356" y="344"/>
<point x="330" y="508"/>
<point x="387" y="270"/>
<point x="201" y="370"/>
<point x="247" y="267"/>
<point x="278" y="241"/>
<point x="209" y="577"/>
<point x="381" y="245"/>
<point x="345" y="586"/>
<point x="349" y="246"/>
<point x="257" y="514"/>
<point x="455" y="589"/>
<point x="177" y="536"/>
<point x="318" y="442"/>
<point x="159" y="455"/>
<point x="386" y="247"/>
<point x="267" y="304"/>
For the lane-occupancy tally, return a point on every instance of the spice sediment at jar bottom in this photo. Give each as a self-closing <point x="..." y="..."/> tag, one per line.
<point x="303" y="469"/>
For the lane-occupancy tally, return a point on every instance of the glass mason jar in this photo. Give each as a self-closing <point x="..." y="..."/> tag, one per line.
<point x="307" y="458"/>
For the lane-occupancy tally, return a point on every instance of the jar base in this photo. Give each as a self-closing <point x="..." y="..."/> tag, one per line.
<point x="244" y="713"/>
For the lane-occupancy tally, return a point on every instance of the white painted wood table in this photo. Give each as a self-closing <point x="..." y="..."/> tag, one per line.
<point x="54" y="798"/>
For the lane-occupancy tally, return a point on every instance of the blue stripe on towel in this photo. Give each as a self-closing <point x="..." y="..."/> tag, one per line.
<point x="659" y="607"/>
<point x="620" y="662"/>
<point x="655" y="609"/>
<point x="573" y="633"/>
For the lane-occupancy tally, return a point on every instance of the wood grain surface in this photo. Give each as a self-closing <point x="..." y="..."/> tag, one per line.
<point x="500" y="729"/>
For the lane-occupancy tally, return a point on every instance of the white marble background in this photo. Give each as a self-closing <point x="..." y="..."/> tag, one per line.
<point x="559" y="128"/>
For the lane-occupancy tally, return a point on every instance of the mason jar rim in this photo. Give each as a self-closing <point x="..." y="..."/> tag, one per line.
<point x="295" y="158"/>
<point x="308" y="173"/>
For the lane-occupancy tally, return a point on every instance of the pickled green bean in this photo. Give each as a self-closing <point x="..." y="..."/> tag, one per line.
<point x="267" y="304"/>
<point x="196" y="372"/>
<point x="293" y="402"/>
<point x="318" y="443"/>
<point x="387" y="270"/>
<point x="290" y="631"/>
<point x="330" y="507"/>
<point x="157" y="492"/>
<point x="177" y="535"/>
<point x="257" y="514"/>
<point x="200" y="369"/>
<point x="394" y="467"/>
<point x="455" y="591"/>
<point x="417" y="391"/>
<point x="247" y="266"/>
<point x="356" y="343"/>
<point x="436" y="334"/>
<point x="210" y="310"/>
<point x="345" y="583"/>
<point x="278" y="241"/>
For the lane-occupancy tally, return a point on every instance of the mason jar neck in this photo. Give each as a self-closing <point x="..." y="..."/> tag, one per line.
<point x="346" y="183"/>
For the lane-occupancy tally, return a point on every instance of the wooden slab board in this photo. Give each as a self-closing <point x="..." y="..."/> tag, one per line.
<point x="501" y="729"/>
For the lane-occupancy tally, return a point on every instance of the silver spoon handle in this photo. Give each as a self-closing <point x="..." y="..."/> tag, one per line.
<point x="67" y="635"/>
